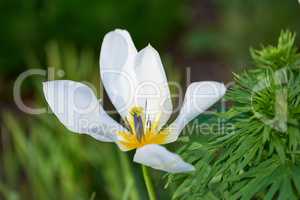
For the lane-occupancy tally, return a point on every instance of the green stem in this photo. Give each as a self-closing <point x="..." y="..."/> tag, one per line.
<point x="148" y="182"/>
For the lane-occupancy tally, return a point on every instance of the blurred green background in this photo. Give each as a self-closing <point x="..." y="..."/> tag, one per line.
<point x="39" y="159"/>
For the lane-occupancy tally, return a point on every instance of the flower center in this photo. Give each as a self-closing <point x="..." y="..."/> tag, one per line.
<point x="142" y="130"/>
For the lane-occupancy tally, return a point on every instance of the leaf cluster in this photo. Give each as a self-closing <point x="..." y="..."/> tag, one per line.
<point x="257" y="157"/>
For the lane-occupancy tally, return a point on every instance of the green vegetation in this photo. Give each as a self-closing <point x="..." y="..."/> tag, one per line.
<point x="259" y="158"/>
<point x="29" y="25"/>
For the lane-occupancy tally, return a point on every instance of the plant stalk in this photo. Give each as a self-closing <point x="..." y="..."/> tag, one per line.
<point x="148" y="182"/>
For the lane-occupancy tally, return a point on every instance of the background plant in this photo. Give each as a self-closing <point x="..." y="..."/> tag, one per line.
<point x="259" y="158"/>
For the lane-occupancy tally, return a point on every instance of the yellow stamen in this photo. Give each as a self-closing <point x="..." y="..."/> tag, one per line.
<point x="130" y="140"/>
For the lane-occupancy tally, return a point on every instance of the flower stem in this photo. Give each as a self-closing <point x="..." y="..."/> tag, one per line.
<point x="148" y="182"/>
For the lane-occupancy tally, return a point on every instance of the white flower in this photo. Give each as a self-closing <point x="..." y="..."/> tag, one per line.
<point x="137" y="86"/>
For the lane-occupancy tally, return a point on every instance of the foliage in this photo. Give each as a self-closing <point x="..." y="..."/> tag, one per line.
<point x="259" y="157"/>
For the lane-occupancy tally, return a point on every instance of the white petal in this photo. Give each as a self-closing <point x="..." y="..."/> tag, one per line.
<point x="198" y="98"/>
<point x="76" y="106"/>
<point x="152" y="85"/>
<point x="116" y="68"/>
<point x="158" y="157"/>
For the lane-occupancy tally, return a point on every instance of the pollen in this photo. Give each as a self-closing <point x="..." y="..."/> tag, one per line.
<point x="133" y="138"/>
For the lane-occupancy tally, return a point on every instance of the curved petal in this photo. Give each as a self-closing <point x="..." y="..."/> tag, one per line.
<point x="198" y="98"/>
<point x="152" y="89"/>
<point x="158" y="157"/>
<point x="76" y="106"/>
<point x="116" y="68"/>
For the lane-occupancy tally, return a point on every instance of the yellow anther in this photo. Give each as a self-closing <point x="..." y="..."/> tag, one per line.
<point x="137" y="110"/>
